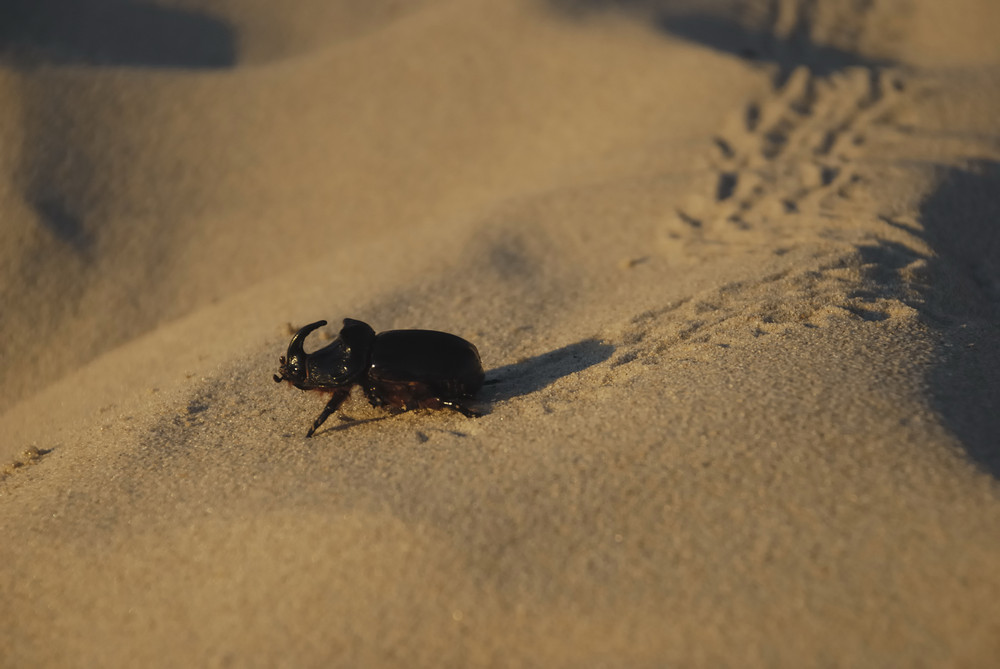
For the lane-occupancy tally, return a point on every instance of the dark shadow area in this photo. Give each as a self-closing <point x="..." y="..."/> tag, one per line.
<point x="112" y="33"/>
<point x="760" y="44"/>
<point x="535" y="373"/>
<point x="64" y="225"/>
<point x="729" y="35"/>
<point x="962" y="222"/>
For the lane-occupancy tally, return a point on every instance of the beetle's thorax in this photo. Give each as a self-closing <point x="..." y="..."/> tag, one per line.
<point x="342" y="362"/>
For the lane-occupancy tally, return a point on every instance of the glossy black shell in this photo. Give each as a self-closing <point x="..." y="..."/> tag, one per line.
<point x="399" y="369"/>
<point x="447" y="363"/>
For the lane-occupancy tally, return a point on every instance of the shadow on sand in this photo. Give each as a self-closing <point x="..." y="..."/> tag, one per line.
<point x="112" y="33"/>
<point x="730" y="35"/>
<point x="535" y="373"/>
<point x="961" y="222"/>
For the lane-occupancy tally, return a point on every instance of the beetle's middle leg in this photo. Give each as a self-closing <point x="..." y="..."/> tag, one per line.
<point x="373" y="397"/>
<point x="336" y="400"/>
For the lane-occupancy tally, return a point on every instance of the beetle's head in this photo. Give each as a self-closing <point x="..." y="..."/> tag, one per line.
<point x="295" y="363"/>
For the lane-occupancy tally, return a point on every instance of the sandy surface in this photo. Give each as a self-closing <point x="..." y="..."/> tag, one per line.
<point x="733" y="268"/>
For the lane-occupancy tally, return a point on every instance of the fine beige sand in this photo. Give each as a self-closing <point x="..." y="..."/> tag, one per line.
<point x="733" y="268"/>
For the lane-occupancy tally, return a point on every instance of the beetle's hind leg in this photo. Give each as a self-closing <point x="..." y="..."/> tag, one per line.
<point x="336" y="400"/>
<point x="461" y="408"/>
<point x="438" y="403"/>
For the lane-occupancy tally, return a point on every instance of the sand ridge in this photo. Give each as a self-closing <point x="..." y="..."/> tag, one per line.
<point x="731" y="270"/>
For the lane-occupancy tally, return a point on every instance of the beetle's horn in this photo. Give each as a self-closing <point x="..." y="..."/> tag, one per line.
<point x="295" y="350"/>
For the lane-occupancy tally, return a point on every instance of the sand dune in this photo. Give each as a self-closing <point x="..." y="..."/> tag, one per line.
<point x="732" y="268"/>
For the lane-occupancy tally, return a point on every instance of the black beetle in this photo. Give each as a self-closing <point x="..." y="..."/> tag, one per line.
<point x="398" y="369"/>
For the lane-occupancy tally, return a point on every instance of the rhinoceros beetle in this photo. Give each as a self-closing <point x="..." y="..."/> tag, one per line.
<point x="398" y="369"/>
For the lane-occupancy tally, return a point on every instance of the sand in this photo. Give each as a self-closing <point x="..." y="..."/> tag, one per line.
<point x="733" y="268"/>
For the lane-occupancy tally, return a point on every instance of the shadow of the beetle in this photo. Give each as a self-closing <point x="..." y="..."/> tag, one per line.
<point x="518" y="379"/>
<point x="533" y="374"/>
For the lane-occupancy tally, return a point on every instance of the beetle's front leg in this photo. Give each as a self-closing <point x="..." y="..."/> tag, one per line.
<point x="336" y="400"/>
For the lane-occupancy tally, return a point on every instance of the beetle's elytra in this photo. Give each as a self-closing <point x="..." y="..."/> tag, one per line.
<point x="398" y="369"/>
